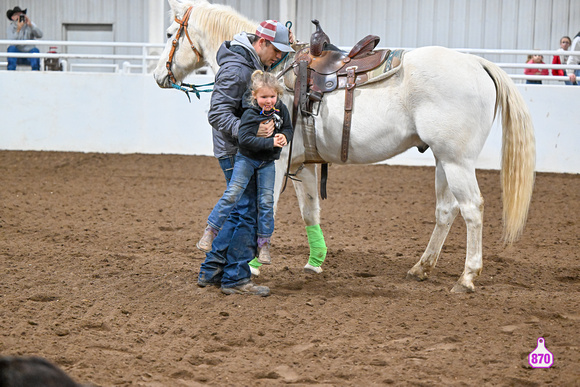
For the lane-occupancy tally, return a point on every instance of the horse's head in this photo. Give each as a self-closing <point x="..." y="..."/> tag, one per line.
<point x="183" y="52"/>
<point x="208" y="26"/>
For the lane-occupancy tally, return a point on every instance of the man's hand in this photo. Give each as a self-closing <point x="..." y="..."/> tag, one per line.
<point x="291" y="39"/>
<point x="20" y="24"/>
<point x="266" y="128"/>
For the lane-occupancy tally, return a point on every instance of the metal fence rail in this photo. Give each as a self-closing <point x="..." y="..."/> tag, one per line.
<point x="124" y="62"/>
<point x="148" y="56"/>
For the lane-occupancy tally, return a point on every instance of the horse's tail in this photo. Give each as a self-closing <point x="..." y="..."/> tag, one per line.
<point x="518" y="150"/>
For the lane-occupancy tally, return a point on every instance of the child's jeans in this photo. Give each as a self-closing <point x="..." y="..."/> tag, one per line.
<point x="244" y="169"/>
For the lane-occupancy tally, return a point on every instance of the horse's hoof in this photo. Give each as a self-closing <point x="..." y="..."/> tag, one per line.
<point x="309" y="269"/>
<point x="414" y="276"/>
<point x="460" y="288"/>
<point x="255" y="271"/>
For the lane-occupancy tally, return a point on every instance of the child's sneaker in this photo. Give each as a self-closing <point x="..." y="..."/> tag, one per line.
<point x="264" y="251"/>
<point x="206" y="240"/>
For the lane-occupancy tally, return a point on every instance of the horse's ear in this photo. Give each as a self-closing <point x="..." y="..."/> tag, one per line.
<point x="176" y="5"/>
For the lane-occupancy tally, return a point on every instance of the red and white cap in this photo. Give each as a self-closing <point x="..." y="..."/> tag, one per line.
<point x="275" y="32"/>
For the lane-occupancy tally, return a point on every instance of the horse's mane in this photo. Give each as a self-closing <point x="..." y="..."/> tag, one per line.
<point x="217" y="23"/>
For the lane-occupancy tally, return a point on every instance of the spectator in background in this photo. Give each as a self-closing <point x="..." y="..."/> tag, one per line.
<point x="22" y="28"/>
<point x="535" y="59"/>
<point x="574" y="60"/>
<point x="565" y="42"/>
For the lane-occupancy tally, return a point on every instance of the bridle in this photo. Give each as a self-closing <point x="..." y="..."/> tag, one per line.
<point x="185" y="87"/>
<point x="182" y="27"/>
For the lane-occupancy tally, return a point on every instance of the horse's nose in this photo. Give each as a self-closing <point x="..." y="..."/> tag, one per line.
<point x="162" y="80"/>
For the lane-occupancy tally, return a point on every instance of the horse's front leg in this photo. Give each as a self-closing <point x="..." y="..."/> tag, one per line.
<point x="309" y="202"/>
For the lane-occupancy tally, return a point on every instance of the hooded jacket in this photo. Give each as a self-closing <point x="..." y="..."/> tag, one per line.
<point x="27" y="32"/>
<point x="237" y="60"/>
<point x="260" y="148"/>
<point x="574" y="59"/>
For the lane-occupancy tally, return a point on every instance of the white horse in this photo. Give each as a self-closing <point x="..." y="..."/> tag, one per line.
<point x="439" y="97"/>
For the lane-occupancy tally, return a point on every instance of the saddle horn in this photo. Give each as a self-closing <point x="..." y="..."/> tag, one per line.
<point x="318" y="39"/>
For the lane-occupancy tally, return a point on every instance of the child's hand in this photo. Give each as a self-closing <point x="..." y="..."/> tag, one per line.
<point x="279" y="140"/>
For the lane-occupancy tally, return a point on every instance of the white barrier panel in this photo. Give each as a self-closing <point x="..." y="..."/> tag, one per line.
<point x="129" y="113"/>
<point x="556" y="118"/>
<point x="95" y="112"/>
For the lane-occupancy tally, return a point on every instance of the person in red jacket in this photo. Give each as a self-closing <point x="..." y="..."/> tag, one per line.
<point x="565" y="43"/>
<point x="535" y="59"/>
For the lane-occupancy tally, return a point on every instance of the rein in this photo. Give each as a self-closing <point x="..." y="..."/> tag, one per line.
<point x="185" y="87"/>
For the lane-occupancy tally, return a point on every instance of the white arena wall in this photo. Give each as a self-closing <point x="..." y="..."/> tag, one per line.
<point x="129" y="113"/>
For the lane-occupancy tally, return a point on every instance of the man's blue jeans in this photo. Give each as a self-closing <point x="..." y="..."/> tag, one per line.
<point x="245" y="169"/>
<point x="12" y="62"/>
<point x="236" y="243"/>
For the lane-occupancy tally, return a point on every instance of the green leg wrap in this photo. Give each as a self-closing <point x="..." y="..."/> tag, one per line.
<point x="317" y="245"/>
<point x="254" y="263"/>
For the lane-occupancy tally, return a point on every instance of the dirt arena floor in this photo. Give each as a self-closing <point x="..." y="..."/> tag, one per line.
<point x="99" y="269"/>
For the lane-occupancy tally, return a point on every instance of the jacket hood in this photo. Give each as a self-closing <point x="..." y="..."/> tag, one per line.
<point x="226" y="54"/>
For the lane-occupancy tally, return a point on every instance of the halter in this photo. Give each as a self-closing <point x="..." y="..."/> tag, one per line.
<point x="185" y="87"/>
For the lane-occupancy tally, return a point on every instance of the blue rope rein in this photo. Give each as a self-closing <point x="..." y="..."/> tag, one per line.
<point x="197" y="89"/>
<point x="288" y="25"/>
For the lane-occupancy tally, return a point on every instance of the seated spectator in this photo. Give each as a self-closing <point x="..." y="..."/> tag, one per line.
<point x="22" y="28"/>
<point x="565" y="42"/>
<point x="574" y="60"/>
<point x="535" y="59"/>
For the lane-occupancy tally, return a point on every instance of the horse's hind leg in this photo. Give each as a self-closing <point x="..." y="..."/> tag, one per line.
<point x="463" y="185"/>
<point x="445" y="213"/>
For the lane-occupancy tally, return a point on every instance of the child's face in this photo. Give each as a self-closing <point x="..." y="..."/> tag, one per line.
<point x="265" y="97"/>
<point x="565" y="44"/>
<point x="537" y="58"/>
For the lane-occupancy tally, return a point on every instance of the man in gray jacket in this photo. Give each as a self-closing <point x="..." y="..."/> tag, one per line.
<point x="22" y="28"/>
<point x="226" y="262"/>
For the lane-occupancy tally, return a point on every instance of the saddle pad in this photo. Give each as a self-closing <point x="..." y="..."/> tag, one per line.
<point x="389" y="68"/>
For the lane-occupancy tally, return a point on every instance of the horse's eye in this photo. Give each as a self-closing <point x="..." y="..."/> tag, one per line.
<point x="168" y="35"/>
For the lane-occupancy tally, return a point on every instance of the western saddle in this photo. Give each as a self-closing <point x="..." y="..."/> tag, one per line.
<point x="322" y="68"/>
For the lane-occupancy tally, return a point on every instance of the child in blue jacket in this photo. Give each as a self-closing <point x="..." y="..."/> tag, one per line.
<point x="256" y="155"/>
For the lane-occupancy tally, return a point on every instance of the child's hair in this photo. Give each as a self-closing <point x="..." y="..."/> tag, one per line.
<point x="263" y="79"/>
<point x="532" y="55"/>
